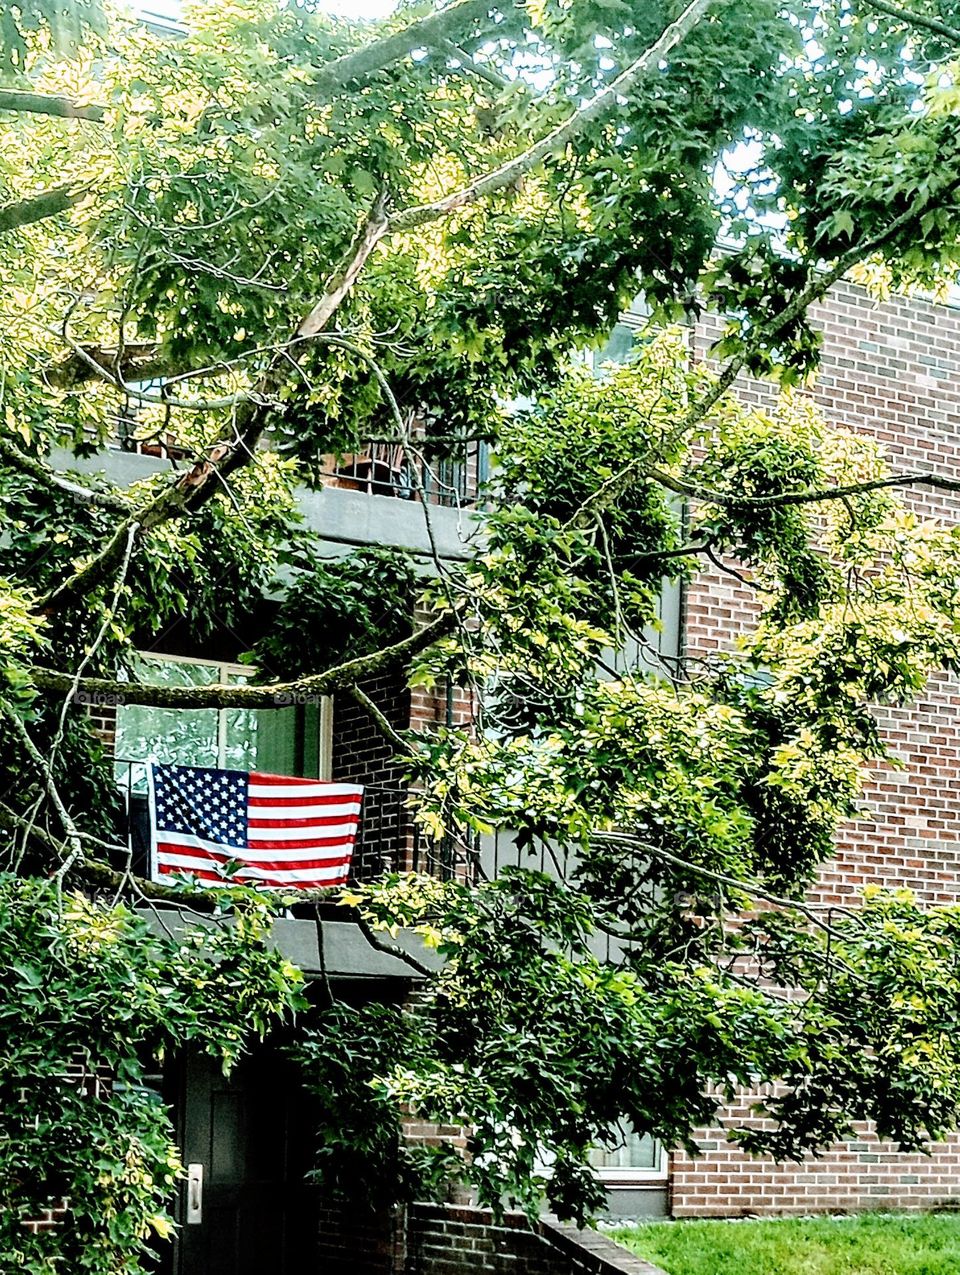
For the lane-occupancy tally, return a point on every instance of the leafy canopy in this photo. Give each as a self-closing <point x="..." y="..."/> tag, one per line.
<point x="258" y="245"/>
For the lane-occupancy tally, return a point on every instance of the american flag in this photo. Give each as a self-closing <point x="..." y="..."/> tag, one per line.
<point x="268" y="830"/>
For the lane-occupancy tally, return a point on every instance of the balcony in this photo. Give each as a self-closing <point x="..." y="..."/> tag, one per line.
<point x="366" y="499"/>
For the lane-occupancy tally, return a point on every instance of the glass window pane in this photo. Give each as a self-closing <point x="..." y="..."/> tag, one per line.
<point x="264" y="739"/>
<point x="618" y="347"/>
<point x="636" y="1151"/>
<point x="177" y="736"/>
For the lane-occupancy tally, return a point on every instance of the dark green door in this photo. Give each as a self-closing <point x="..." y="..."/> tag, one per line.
<point x="244" y="1209"/>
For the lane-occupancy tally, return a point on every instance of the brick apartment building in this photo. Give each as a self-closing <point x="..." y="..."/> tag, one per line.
<point x="890" y="370"/>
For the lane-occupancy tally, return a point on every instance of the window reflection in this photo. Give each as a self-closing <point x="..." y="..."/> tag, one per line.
<point x="233" y="738"/>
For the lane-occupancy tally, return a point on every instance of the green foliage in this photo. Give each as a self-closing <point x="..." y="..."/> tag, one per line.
<point x="579" y="435"/>
<point x="57" y="23"/>
<point x="94" y="998"/>
<point x="362" y="1156"/>
<point x="21" y="636"/>
<point x="542" y="1049"/>
<point x="337" y="610"/>
<point x="224" y="185"/>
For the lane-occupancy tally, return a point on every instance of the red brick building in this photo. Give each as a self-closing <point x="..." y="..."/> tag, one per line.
<point x="890" y="370"/>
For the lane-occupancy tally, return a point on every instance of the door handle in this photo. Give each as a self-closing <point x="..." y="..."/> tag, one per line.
<point x="194" y="1194"/>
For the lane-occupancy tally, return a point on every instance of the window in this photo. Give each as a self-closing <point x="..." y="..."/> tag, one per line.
<point x="637" y="1158"/>
<point x="285" y="741"/>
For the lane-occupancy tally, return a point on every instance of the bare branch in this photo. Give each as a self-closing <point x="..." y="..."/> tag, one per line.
<point x="753" y="889"/>
<point x="343" y="677"/>
<point x="24" y="212"/>
<point x="69" y="827"/>
<point x="369" y="235"/>
<point x="391" y="48"/>
<point x="382" y="722"/>
<point x="807" y="496"/>
<point x="382" y="944"/>
<point x="480" y="69"/>
<point x="558" y="137"/>
<point x="49" y="104"/>
<point x="140" y="362"/>
<point x="912" y="19"/>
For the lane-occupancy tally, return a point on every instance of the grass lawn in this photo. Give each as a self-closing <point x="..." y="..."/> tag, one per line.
<point x="873" y="1244"/>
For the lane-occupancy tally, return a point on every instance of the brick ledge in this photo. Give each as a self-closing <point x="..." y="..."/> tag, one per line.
<point x="595" y="1251"/>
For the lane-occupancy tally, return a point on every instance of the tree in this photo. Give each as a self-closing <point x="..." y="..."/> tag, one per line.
<point x="306" y="232"/>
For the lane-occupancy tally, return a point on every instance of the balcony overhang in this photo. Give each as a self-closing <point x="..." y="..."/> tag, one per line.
<point x="347" y="953"/>
<point x="339" y="517"/>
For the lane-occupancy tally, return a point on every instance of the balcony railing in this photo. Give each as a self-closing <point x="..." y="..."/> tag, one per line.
<point x="452" y="478"/>
<point x="379" y="467"/>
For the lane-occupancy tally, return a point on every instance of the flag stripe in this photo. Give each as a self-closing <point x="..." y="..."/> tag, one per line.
<point x="183" y="843"/>
<point x="279" y="802"/>
<point x="307" y="821"/>
<point x="258" y="777"/>
<point x="303" y="880"/>
<point x="314" y="792"/>
<point x="306" y="832"/>
<point x="181" y="855"/>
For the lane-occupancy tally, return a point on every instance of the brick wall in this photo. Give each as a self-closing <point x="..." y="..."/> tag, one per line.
<point x="890" y="371"/>
<point x="48" y="1219"/>
<point x="103" y="719"/>
<point x="355" y="1238"/>
<point x="362" y="754"/>
<point x="461" y="1240"/>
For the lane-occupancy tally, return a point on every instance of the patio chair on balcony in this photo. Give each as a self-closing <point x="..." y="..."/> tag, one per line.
<point x="378" y="471"/>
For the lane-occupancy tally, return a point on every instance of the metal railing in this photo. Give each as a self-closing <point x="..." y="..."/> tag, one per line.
<point x="452" y="478"/>
<point x="379" y="467"/>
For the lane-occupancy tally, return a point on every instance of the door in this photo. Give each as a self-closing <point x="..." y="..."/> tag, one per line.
<point x="245" y="1208"/>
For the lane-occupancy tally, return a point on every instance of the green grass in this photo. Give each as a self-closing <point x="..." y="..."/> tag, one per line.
<point x="872" y="1244"/>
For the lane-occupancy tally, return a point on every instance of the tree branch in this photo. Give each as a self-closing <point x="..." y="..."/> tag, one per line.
<point x="141" y="362"/>
<point x="99" y="690"/>
<point x="819" y="285"/>
<point x="69" y="827"/>
<point x="52" y="478"/>
<point x="558" y="137"/>
<point x="391" y="48"/>
<point x="807" y="496"/>
<point x="391" y="949"/>
<point x="483" y="72"/>
<point x="49" y="104"/>
<point x="382" y="722"/>
<point x="192" y="488"/>
<point x="910" y="18"/>
<point x="754" y="890"/>
<point x="38" y="207"/>
<point x="367" y="238"/>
